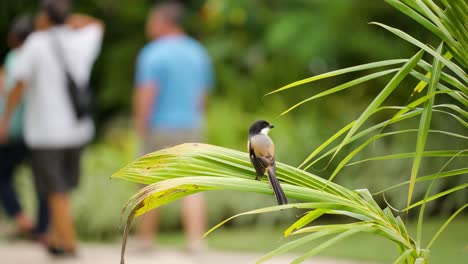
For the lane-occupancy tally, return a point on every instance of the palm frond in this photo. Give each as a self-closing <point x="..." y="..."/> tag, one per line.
<point x="424" y="124"/>
<point x="189" y="168"/>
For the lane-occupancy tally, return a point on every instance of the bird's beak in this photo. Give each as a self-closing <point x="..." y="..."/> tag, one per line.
<point x="272" y="126"/>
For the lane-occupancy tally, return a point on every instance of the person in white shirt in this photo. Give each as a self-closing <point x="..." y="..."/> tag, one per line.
<point x="51" y="129"/>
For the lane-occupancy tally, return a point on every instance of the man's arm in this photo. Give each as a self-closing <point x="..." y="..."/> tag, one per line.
<point x="78" y="21"/>
<point x="143" y="101"/>
<point x="209" y="82"/>
<point x="2" y="81"/>
<point x="13" y="100"/>
<point x="203" y="102"/>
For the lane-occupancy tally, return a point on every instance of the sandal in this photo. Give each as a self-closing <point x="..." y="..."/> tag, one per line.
<point x="61" y="252"/>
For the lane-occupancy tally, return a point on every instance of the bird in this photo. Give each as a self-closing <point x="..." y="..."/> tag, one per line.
<point x="262" y="156"/>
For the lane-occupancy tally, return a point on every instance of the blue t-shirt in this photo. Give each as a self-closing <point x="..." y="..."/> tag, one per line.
<point x="181" y="70"/>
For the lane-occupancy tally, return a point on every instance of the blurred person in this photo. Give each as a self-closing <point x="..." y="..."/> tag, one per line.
<point x="173" y="75"/>
<point x="14" y="152"/>
<point x="64" y="42"/>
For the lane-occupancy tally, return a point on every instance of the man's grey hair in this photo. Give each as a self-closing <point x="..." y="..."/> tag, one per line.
<point x="172" y="11"/>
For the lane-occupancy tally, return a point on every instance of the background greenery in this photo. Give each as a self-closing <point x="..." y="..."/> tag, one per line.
<point x="256" y="46"/>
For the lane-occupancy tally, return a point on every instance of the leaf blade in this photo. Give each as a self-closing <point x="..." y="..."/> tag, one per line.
<point x="387" y="90"/>
<point x="339" y="72"/>
<point x="424" y="125"/>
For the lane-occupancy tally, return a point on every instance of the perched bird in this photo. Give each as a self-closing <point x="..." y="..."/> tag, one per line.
<point x="262" y="156"/>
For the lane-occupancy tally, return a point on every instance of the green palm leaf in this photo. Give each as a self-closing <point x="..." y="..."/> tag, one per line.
<point x="424" y="124"/>
<point x="380" y="98"/>
<point x="342" y="87"/>
<point x="340" y="72"/>
<point x="454" y="67"/>
<point x="190" y="168"/>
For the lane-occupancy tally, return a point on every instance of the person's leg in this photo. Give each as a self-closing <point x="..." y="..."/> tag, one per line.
<point x="193" y="206"/>
<point x="50" y="167"/>
<point x="9" y="160"/>
<point x="54" y="241"/>
<point x="42" y="223"/>
<point x="61" y="213"/>
<point x="62" y="220"/>
<point x="148" y="227"/>
<point x="194" y="220"/>
<point x="44" y="166"/>
<point x="42" y="209"/>
<point x="21" y="156"/>
<point x="24" y="223"/>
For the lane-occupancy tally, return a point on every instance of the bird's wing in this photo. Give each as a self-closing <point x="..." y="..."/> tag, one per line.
<point x="266" y="162"/>
<point x="263" y="147"/>
<point x="259" y="168"/>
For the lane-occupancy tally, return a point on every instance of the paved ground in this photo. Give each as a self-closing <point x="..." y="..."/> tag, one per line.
<point x="28" y="253"/>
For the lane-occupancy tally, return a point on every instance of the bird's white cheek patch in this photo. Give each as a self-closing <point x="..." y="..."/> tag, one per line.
<point x="265" y="131"/>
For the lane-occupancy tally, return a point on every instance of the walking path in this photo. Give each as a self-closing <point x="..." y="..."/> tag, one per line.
<point x="29" y="253"/>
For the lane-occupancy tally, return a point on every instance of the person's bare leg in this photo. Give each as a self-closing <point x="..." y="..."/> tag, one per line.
<point x="194" y="220"/>
<point x="148" y="228"/>
<point x="53" y="238"/>
<point x="23" y="222"/>
<point x="62" y="221"/>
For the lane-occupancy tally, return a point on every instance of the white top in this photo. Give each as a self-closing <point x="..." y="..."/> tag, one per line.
<point x="49" y="120"/>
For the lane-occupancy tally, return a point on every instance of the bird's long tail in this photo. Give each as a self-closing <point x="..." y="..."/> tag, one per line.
<point x="278" y="191"/>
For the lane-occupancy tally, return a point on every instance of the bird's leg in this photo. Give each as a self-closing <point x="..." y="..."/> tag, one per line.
<point x="258" y="177"/>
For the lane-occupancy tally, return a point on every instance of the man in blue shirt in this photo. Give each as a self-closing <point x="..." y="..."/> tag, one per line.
<point x="173" y="75"/>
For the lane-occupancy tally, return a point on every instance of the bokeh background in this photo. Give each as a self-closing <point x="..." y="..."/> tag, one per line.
<point x="257" y="46"/>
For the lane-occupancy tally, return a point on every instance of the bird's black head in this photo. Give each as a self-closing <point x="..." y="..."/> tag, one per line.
<point x="260" y="127"/>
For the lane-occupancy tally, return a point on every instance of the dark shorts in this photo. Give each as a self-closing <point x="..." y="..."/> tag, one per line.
<point x="11" y="155"/>
<point x="56" y="170"/>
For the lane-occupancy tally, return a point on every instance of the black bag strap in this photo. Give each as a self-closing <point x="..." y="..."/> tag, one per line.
<point x="60" y="55"/>
<point x="80" y="97"/>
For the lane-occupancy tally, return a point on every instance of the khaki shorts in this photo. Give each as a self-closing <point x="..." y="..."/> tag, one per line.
<point x="159" y="139"/>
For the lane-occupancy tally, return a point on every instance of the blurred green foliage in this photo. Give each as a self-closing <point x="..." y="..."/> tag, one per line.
<point x="256" y="46"/>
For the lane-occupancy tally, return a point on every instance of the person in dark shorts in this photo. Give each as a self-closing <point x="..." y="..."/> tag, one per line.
<point x="14" y="152"/>
<point x="64" y="42"/>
